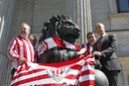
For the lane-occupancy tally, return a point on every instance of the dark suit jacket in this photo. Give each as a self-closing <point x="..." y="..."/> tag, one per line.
<point x="109" y="58"/>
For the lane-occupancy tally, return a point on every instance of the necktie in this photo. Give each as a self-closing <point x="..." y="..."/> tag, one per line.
<point x="88" y="49"/>
<point x="99" y="45"/>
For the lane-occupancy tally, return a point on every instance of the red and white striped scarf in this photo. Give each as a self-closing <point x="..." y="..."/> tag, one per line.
<point x="55" y="42"/>
<point x="77" y="72"/>
<point x="88" y="48"/>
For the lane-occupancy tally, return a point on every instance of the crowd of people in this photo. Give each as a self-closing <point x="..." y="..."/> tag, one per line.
<point x="22" y="49"/>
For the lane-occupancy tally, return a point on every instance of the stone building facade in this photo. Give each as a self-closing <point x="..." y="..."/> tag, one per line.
<point x="86" y="13"/>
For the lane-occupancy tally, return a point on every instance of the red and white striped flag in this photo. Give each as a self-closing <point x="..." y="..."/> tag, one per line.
<point x="77" y="72"/>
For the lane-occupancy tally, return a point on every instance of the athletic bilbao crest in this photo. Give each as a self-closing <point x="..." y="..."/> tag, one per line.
<point x="57" y="74"/>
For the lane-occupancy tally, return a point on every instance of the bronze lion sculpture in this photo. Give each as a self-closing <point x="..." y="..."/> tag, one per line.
<point x="64" y="30"/>
<point x="60" y="34"/>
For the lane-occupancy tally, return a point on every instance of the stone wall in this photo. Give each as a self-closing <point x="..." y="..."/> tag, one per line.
<point x="100" y="12"/>
<point x="119" y="21"/>
<point x="123" y="79"/>
<point x="123" y="43"/>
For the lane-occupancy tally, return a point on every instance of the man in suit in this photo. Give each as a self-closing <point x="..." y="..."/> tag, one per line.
<point x="104" y="50"/>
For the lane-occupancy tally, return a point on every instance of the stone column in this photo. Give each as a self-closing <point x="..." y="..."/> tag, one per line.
<point x="80" y="12"/>
<point x="12" y="13"/>
<point x="6" y="15"/>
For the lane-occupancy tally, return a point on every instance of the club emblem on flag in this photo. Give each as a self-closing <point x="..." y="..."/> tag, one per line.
<point x="57" y="74"/>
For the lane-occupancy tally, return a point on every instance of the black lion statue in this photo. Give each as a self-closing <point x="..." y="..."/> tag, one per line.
<point x="58" y="44"/>
<point x="59" y="34"/>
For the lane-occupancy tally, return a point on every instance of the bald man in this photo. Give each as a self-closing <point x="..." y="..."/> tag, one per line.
<point x="20" y="48"/>
<point x="105" y="50"/>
